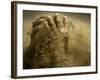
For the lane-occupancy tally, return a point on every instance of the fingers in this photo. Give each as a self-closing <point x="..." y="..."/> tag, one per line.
<point x="59" y="21"/>
<point x="65" y="20"/>
<point x="36" y="23"/>
<point x="51" y="23"/>
<point x="39" y="20"/>
<point x="54" y="22"/>
<point x="66" y="27"/>
<point x="46" y="26"/>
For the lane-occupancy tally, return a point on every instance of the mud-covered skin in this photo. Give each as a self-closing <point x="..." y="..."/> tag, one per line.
<point x="49" y="43"/>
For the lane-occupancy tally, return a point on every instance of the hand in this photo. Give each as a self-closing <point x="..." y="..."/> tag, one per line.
<point x="50" y="38"/>
<point x="59" y="43"/>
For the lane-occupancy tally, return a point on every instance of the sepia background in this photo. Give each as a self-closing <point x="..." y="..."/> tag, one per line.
<point x="79" y="41"/>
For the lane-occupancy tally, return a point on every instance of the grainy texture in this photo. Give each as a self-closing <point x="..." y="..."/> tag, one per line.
<point x="55" y="42"/>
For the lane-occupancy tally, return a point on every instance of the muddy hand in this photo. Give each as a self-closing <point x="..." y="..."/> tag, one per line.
<point x="50" y="33"/>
